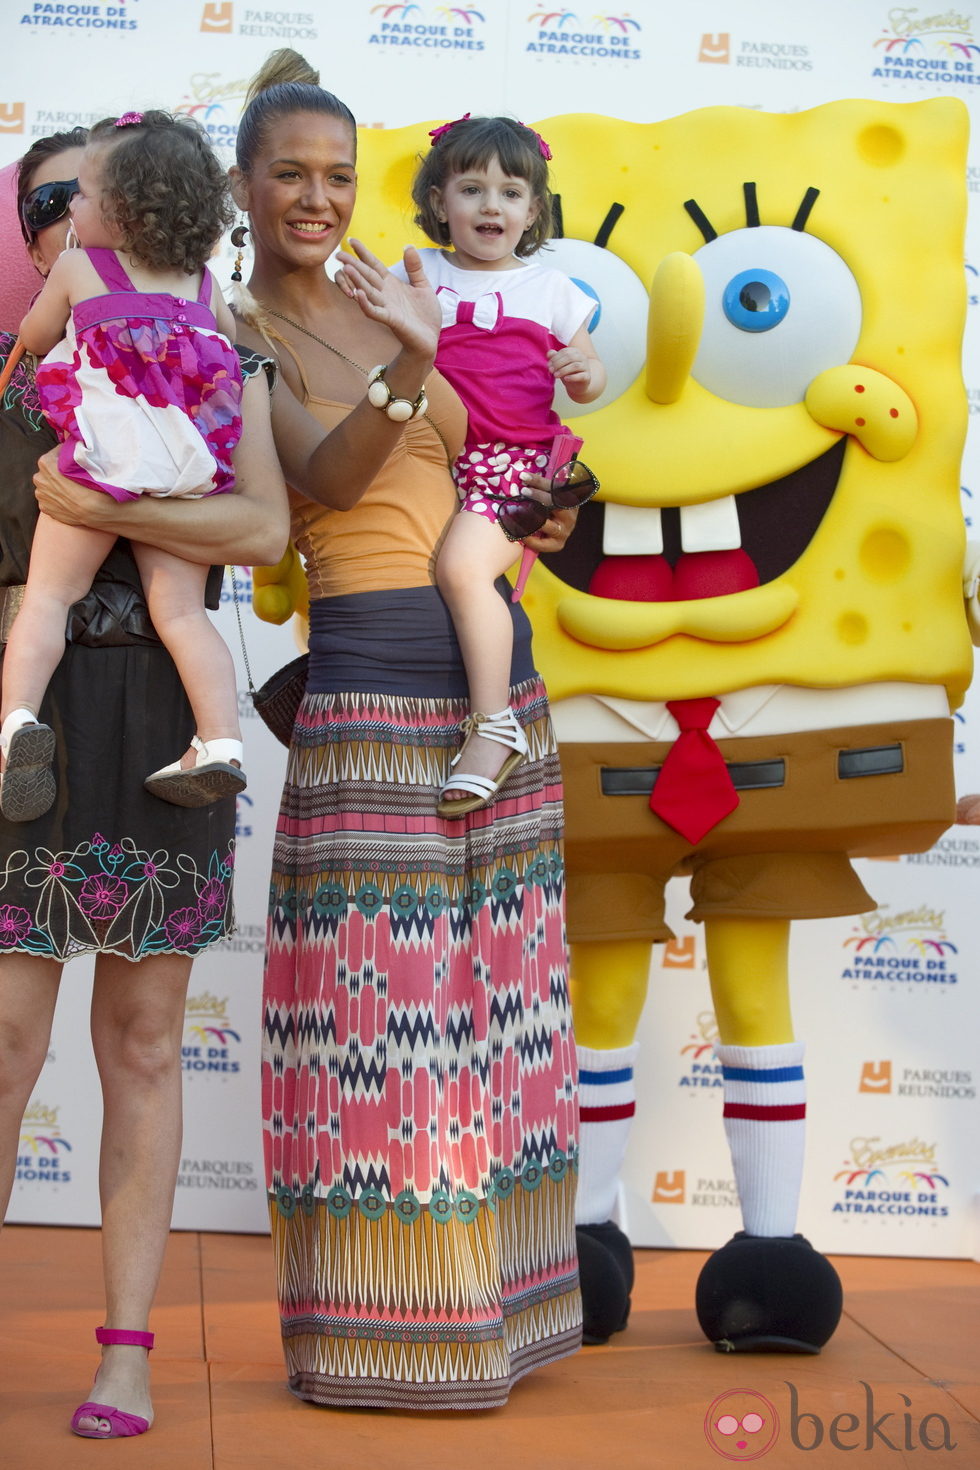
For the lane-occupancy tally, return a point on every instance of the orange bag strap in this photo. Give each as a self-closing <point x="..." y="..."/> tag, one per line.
<point x="16" y="353"/>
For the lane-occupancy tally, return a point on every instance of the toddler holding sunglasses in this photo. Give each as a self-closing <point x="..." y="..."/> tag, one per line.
<point x="509" y="330"/>
<point x="144" y="391"/>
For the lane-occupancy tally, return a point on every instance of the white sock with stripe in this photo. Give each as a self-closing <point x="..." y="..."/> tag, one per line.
<point x="765" y="1122"/>
<point x="607" y="1104"/>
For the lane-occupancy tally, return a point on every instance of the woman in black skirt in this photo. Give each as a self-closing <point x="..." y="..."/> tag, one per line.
<point x="110" y="870"/>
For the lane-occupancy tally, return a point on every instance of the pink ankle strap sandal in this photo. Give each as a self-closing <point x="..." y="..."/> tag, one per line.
<point x="117" y="1337"/>
<point x="114" y="1423"/>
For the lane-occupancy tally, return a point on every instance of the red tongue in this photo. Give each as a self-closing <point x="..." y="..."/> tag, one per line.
<point x="651" y="579"/>
<point x="713" y="574"/>
<point x="633" y="579"/>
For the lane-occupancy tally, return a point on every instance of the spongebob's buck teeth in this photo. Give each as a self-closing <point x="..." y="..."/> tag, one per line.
<point x="631" y="530"/>
<point x="712" y="526"/>
<point x="637" y="530"/>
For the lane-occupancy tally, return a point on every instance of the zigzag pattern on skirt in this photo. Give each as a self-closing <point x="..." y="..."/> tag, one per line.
<point x="418" y="1080"/>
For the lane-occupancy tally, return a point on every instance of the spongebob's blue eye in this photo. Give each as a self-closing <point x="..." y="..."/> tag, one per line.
<point x="766" y="276"/>
<point x="756" y="300"/>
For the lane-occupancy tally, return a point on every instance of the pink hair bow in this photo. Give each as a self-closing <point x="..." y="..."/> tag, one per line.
<point x="436" y="133"/>
<point x="129" y="120"/>
<point x="543" y="148"/>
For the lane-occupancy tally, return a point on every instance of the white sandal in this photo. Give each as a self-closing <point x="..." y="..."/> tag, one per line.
<point x="212" y="777"/>
<point x="27" y="788"/>
<point x="504" y="729"/>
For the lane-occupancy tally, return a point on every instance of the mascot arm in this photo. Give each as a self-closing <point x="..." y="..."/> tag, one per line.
<point x="971" y="588"/>
<point x="280" y="591"/>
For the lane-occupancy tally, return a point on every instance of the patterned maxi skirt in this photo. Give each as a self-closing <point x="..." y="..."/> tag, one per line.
<point x="418" y="1069"/>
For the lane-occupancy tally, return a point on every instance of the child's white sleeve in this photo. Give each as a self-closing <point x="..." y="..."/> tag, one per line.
<point x="573" y="308"/>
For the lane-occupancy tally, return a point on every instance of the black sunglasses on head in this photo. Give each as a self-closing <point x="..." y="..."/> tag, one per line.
<point x="574" y="484"/>
<point x="45" y="205"/>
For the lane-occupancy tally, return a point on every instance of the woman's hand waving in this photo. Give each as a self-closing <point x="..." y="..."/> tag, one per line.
<point x="410" y="312"/>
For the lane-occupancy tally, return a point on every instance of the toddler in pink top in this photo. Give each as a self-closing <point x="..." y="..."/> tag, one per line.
<point x="143" y="386"/>
<point x="510" y="329"/>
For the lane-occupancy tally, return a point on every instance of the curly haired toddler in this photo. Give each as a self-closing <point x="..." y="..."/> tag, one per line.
<point x="143" y="387"/>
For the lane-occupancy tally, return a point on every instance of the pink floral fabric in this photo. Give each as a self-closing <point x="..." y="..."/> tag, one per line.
<point x="144" y="392"/>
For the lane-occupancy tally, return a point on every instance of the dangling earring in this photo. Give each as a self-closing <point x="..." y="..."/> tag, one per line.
<point x="238" y="237"/>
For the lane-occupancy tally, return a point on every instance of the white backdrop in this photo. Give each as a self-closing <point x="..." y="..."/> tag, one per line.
<point x="889" y="1005"/>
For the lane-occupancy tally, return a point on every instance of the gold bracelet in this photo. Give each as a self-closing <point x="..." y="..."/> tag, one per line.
<point x="399" y="410"/>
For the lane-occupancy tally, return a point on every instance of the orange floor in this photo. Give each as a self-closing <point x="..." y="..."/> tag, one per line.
<point x="907" y="1346"/>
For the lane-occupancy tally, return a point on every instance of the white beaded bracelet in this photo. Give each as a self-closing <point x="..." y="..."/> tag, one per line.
<point x="399" y="410"/>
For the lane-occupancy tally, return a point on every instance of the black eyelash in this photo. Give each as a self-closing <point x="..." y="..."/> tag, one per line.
<point x="701" y="220"/>
<point x="694" y="210"/>
<point x="751" y="212"/>
<point x="608" y="225"/>
<point x="610" y="222"/>
<point x="803" y="213"/>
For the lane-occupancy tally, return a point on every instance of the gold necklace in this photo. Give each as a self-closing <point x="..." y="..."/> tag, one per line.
<point x="363" y="370"/>
<point x="307" y="333"/>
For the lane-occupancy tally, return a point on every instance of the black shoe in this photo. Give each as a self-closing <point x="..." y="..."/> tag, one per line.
<point x="605" y="1264"/>
<point x="763" y="1294"/>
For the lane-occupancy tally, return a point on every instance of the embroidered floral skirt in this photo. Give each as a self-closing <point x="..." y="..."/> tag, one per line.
<point x="418" y="1069"/>
<point x="110" y="868"/>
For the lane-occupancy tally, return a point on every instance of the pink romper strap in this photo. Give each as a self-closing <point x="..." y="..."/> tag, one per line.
<point x="111" y="273"/>
<point x="204" y="295"/>
<point x="106" y="265"/>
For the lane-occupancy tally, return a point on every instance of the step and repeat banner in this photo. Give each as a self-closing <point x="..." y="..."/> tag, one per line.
<point x="889" y="1004"/>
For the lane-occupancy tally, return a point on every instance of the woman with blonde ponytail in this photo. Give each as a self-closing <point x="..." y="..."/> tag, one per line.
<point x="418" y="1067"/>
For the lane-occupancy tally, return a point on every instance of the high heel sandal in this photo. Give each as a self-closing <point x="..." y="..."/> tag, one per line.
<point x="120" y="1424"/>
<point x="210" y="778"/>
<point x="27" y="788"/>
<point x="504" y="729"/>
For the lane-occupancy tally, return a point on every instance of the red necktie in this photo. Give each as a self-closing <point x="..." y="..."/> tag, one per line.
<point x="693" y="790"/>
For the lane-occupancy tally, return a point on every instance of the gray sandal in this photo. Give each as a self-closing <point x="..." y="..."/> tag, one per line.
<point x="27" y="789"/>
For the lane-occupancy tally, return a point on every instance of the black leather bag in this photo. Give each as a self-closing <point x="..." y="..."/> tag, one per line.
<point x="277" y="701"/>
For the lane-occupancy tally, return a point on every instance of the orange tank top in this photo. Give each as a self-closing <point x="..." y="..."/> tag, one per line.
<point x="391" y="537"/>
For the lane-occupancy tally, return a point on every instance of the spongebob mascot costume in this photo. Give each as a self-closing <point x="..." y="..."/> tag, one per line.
<point x="756" y="636"/>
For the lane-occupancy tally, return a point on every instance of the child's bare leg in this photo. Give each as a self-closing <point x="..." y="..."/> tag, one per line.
<point x="175" y="596"/>
<point x="64" y="561"/>
<point x="474" y="554"/>
<point x="174" y="591"/>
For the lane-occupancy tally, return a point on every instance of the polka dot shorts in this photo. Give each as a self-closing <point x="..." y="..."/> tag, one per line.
<point x="485" y="474"/>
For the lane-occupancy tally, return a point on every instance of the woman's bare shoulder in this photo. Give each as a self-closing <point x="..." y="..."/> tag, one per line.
<point x="248" y="335"/>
